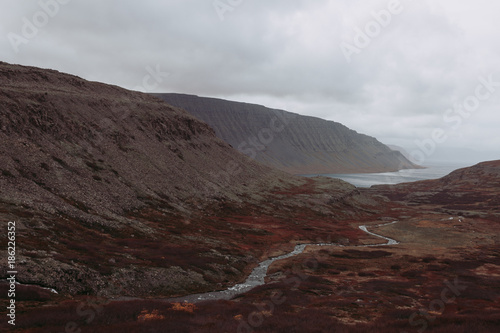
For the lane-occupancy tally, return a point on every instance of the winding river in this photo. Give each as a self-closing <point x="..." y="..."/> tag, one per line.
<point x="256" y="278"/>
<point x="259" y="273"/>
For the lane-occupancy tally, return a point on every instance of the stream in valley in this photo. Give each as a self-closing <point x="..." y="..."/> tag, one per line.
<point x="259" y="273"/>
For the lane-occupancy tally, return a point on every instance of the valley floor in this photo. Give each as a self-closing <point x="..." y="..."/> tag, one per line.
<point x="444" y="276"/>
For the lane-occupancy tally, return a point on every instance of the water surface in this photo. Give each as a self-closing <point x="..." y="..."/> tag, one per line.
<point x="391" y="178"/>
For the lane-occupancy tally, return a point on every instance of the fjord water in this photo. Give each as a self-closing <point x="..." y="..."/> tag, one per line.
<point x="433" y="171"/>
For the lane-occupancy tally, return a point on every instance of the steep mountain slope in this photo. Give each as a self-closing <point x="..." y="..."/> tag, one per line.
<point x="403" y="151"/>
<point x="65" y="141"/>
<point x="290" y="142"/>
<point x="111" y="187"/>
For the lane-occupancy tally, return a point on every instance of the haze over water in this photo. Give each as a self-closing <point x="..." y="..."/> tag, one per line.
<point x="433" y="171"/>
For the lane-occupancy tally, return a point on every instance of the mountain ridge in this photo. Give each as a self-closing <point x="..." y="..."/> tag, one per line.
<point x="290" y="142"/>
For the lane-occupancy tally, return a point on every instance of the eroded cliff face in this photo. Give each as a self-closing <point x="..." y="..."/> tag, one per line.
<point x="290" y="142"/>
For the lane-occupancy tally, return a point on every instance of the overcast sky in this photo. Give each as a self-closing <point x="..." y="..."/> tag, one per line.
<point x="402" y="71"/>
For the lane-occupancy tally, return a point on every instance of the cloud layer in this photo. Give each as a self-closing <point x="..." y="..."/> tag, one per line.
<point x="407" y="63"/>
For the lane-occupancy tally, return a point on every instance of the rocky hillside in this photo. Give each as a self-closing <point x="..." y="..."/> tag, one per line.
<point x="110" y="188"/>
<point x="68" y="143"/>
<point x="291" y="142"/>
<point x="472" y="191"/>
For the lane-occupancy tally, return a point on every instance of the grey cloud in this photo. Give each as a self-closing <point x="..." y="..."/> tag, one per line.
<point x="284" y="53"/>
